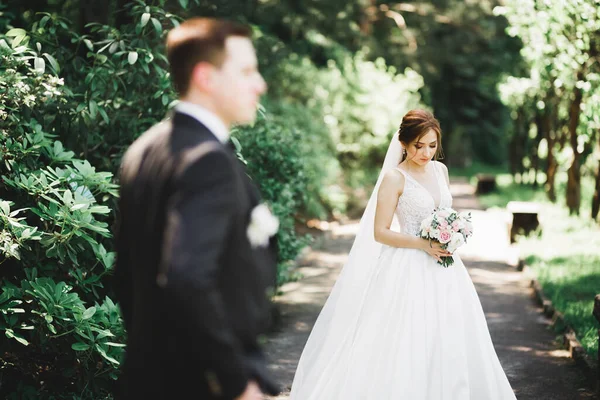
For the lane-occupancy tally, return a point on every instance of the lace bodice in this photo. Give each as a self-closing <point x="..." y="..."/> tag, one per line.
<point x="416" y="203"/>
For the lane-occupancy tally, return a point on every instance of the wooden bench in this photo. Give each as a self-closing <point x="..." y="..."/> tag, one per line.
<point x="524" y="218"/>
<point x="486" y="183"/>
<point x="597" y="315"/>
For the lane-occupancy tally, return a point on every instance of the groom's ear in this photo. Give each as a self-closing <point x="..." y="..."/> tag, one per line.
<point x="202" y="77"/>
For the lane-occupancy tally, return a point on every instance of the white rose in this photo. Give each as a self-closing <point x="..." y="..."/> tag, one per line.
<point x="262" y="226"/>
<point x="426" y="223"/>
<point x="459" y="224"/>
<point x="443" y="213"/>
<point x="456" y="241"/>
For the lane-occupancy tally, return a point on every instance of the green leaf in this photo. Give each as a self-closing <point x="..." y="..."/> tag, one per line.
<point x="44" y="20"/>
<point x="12" y="335"/>
<point x="39" y="64"/>
<point x="58" y="148"/>
<point x="4" y="207"/>
<point x="79" y="346"/>
<point x="16" y="224"/>
<point x="102" y="58"/>
<point x="157" y="25"/>
<point x="116" y="344"/>
<point x="103" y="333"/>
<point x="104" y="115"/>
<point x="89" y="313"/>
<point x="99" y="210"/>
<point x="93" y="109"/>
<point x="79" y="206"/>
<point x="106" y="356"/>
<point x="67" y="197"/>
<point x="109" y="260"/>
<point x="145" y="19"/>
<point x="89" y="44"/>
<point x="16" y="32"/>
<point x="132" y="57"/>
<point x="184" y="3"/>
<point x="17" y="41"/>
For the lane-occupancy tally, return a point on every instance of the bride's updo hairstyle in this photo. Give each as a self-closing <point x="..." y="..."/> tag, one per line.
<point x="416" y="124"/>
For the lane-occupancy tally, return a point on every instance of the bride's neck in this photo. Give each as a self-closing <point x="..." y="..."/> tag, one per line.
<point x="414" y="167"/>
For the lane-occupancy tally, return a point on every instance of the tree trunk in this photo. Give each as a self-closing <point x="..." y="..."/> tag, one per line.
<point x="596" y="198"/>
<point x="513" y="149"/>
<point x="551" y="163"/>
<point x="122" y="16"/>
<point x="535" y="156"/>
<point x="367" y="17"/>
<point x="92" y="12"/>
<point x="516" y="148"/>
<point x="574" y="171"/>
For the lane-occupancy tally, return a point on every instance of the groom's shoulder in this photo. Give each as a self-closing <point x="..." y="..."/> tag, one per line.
<point x="154" y="136"/>
<point x="151" y="136"/>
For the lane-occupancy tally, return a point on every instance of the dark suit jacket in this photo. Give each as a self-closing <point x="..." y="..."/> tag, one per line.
<point x="191" y="287"/>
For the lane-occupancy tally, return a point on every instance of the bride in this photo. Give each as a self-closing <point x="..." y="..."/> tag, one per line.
<point x="397" y="325"/>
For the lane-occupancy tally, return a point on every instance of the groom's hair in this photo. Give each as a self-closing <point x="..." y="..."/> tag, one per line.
<point x="199" y="40"/>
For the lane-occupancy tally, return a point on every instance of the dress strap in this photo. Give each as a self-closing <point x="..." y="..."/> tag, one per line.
<point x="404" y="173"/>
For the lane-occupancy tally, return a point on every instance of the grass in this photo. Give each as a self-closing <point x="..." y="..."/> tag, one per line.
<point x="571" y="283"/>
<point x="565" y="254"/>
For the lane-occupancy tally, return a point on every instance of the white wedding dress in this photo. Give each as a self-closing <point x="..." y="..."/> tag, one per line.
<point x="402" y="327"/>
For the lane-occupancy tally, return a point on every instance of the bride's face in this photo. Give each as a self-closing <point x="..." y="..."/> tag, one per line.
<point x="422" y="150"/>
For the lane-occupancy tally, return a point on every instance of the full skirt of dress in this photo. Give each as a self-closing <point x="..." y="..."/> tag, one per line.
<point x="419" y="333"/>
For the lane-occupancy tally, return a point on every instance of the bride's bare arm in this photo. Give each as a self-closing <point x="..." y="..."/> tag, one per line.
<point x="390" y="191"/>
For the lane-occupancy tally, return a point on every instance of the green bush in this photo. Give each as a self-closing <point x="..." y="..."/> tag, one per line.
<point x="274" y="152"/>
<point x="66" y="335"/>
<point x="65" y="332"/>
<point x="360" y="103"/>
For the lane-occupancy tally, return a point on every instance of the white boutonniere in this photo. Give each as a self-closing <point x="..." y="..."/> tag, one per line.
<point x="262" y="226"/>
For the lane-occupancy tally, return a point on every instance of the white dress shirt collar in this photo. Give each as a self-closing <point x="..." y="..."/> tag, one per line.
<point x="206" y="118"/>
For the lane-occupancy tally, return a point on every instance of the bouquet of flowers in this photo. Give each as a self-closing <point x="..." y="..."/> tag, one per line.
<point x="450" y="228"/>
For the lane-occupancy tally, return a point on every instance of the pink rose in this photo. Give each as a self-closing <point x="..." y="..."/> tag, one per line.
<point x="455" y="226"/>
<point x="445" y="237"/>
<point x="468" y="231"/>
<point x="443" y="224"/>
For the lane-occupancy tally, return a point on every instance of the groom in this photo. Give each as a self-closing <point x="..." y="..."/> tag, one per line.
<point x="191" y="277"/>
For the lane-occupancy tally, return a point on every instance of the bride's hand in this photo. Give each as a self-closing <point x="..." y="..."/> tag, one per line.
<point x="434" y="249"/>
